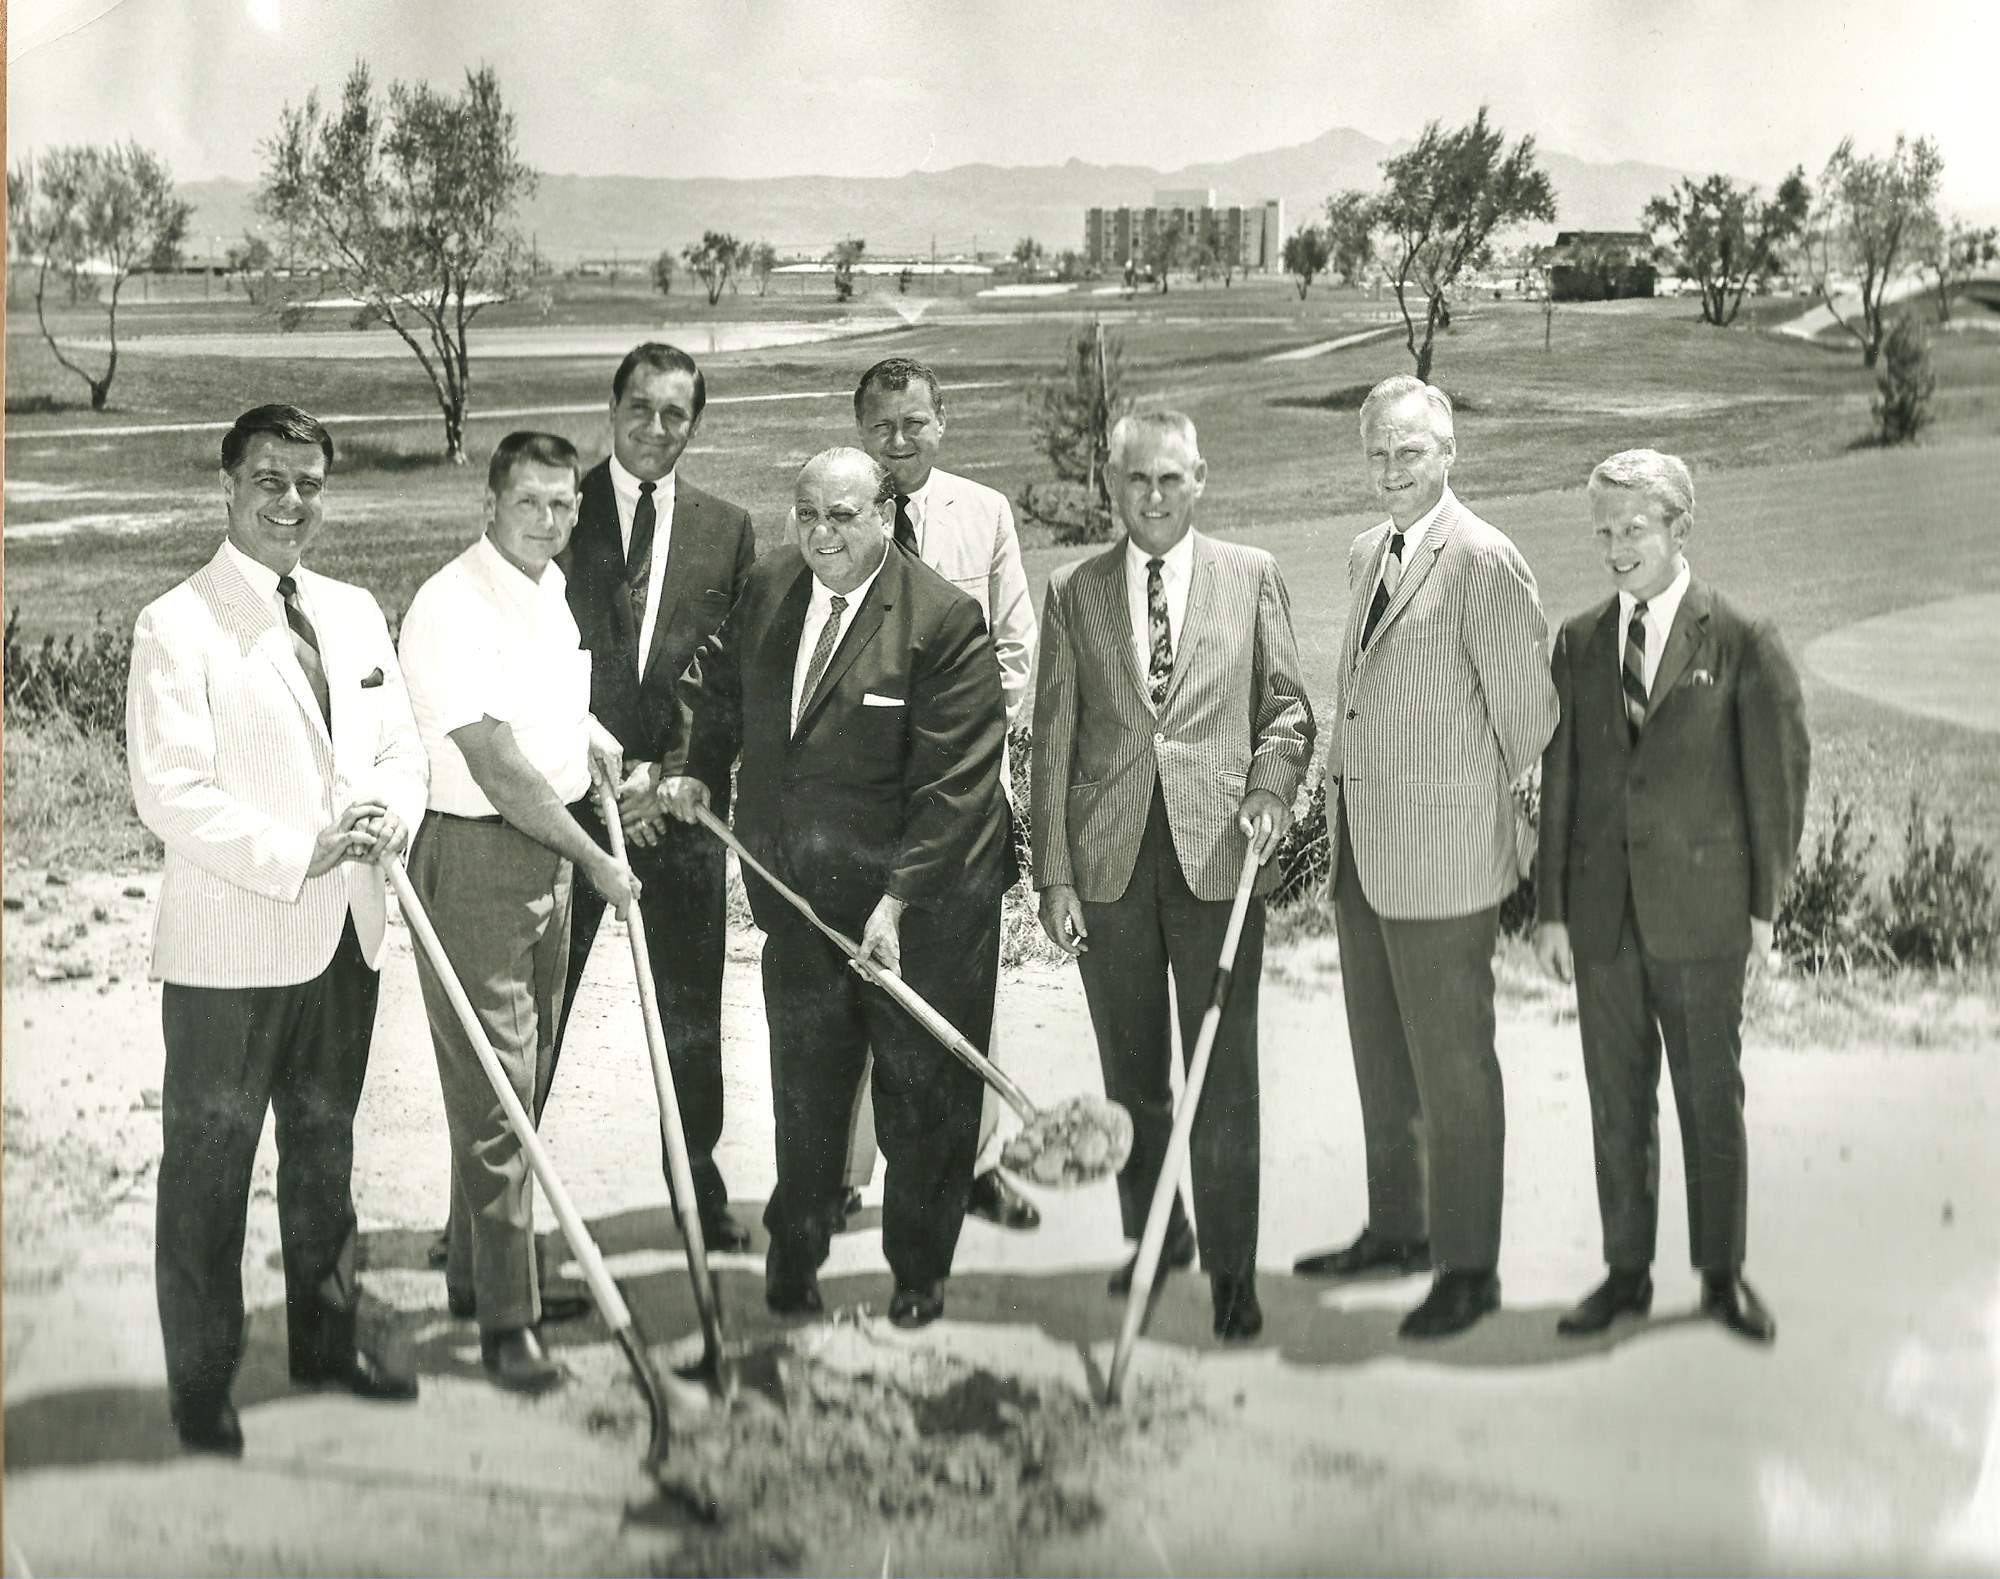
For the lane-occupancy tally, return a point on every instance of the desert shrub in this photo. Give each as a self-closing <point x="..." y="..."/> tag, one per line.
<point x="1305" y="853"/>
<point x="1941" y="911"/>
<point x="80" y="682"/>
<point x="68" y="801"/>
<point x="1905" y="383"/>
<point x="1827" y="921"/>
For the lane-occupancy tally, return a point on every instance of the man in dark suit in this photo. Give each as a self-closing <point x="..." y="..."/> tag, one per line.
<point x="861" y="691"/>
<point x="1673" y="798"/>
<point x="654" y="567"/>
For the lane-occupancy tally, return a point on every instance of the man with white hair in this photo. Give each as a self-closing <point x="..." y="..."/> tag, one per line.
<point x="1442" y="702"/>
<point x="860" y="691"/>
<point x="1673" y="798"/>
<point x="1171" y="730"/>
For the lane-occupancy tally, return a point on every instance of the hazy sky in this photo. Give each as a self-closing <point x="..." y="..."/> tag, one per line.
<point x="879" y="87"/>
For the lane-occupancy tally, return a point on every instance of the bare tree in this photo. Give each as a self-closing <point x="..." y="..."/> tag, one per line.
<point x="409" y="203"/>
<point x="1350" y="233"/>
<point x="1441" y="203"/>
<point x="1305" y="256"/>
<point x="89" y="215"/>
<point x="1718" y="234"/>
<point x="1954" y="253"/>
<point x="1071" y="417"/>
<point x="714" y="261"/>
<point x="1872" y="218"/>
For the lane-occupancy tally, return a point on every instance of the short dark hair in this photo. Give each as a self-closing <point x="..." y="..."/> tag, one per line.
<point x="897" y="372"/>
<point x="281" y="422"/>
<point x="661" y="358"/>
<point x="528" y="448"/>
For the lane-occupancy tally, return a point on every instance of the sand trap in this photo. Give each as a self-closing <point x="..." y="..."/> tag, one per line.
<point x="1936" y="659"/>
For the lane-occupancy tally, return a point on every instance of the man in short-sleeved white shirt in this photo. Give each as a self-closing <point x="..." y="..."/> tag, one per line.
<point x="500" y="685"/>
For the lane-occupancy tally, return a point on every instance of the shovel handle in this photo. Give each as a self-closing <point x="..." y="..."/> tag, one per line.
<point x="687" y="1214"/>
<point x="610" y="1303"/>
<point x="1153" y="1239"/>
<point x="936" y="1024"/>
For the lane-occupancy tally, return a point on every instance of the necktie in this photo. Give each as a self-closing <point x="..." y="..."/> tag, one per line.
<point x="305" y="645"/>
<point x="1385" y="589"/>
<point x="906" y="532"/>
<point x="1160" y="636"/>
<point x="1633" y="679"/>
<point x="829" y="638"/>
<point x="639" y="557"/>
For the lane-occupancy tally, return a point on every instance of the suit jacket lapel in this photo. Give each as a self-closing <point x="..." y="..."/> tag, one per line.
<point x="342" y="679"/>
<point x="266" y="632"/>
<point x="1106" y="586"/>
<point x="599" y="552"/>
<point x="1604" y="671"/>
<point x="674" y="579"/>
<point x="860" y="631"/>
<point x="1194" y="618"/>
<point x="1414" y="573"/>
<point x="1690" y="626"/>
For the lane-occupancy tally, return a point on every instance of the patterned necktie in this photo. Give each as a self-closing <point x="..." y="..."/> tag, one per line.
<point x="1633" y="679"/>
<point x="1385" y="589"/>
<point x="829" y="638"/>
<point x="639" y="557"/>
<point x="305" y="644"/>
<point x="1160" y="636"/>
<point x="906" y="532"/>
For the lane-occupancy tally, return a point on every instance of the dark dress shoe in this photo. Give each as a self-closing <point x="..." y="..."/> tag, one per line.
<point x="1238" y="1316"/>
<point x="1622" y="1293"/>
<point x="516" y="1361"/>
<point x="1726" y="1298"/>
<point x="916" y="1307"/>
<point x="558" y="1304"/>
<point x="210" y="1428"/>
<point x="793" y="1296"/>
<point x="850" y="1204"/>
<point x="1370" y="1252"/>
<point x="363" y="1375"/>
<point x="721" y="1231"/>
<point x="1455" y="1302"/>
<point x="1178" y="1251"/>
<point x="994" y="1199"/>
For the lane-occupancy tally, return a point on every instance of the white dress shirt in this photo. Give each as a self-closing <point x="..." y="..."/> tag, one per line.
<point x="1660" y="611"/>
<point x="819" y="609"/>
<point x="483" y="641"/>
<point x="264" y="581"/>
<point x="1177" y="565"/>
<point x="625" y="490"/>
<point x="1412" y="540"/>
<point x="917" y="509"/>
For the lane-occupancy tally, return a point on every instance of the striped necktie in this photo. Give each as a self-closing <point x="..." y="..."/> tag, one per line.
<point x="1159" y="635"/>
<point x="305" y="646"/>
<point x="829" y="638"/>
<point x="1633" y="678"/>
<point x="1385" y="589"/>
<point x="906" y="530"/>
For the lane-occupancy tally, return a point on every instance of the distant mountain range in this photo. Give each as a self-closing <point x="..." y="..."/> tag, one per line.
<point x="992" y="206"/>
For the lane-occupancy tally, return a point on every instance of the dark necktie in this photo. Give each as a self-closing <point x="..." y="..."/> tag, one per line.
<point x="1160" y="636"/>
<point x="1633" y="679"/>
<point x="1385" y="589"/>
<point x="906" y="532"/>
<point x="305" y="644"/>
<point x="829" y="638"/>
<point x="639" y="557"/>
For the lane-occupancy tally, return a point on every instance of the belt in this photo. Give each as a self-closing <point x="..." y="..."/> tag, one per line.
<point x="452" y="816"/>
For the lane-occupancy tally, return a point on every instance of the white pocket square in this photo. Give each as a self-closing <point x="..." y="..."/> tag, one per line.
<point x="870" y="699"/>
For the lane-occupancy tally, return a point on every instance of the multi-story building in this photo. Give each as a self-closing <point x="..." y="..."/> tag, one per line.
<point x="1242" y="238"/>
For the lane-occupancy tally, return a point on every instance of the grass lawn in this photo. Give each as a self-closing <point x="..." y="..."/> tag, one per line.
<point x="1795" y="520"/>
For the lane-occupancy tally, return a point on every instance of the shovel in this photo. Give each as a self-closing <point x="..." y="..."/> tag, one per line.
<point x="1147" y="1266"/>
<point x="1077" y="1141"/>
<point x="686" y="1215"/>
<point x="603" y="1291"/>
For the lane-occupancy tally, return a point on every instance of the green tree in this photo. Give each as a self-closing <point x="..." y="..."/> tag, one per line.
<point x="1167" y="249"/>
<point x="88" y="216"/>
<point x="1028" y="254"/>
<point x="663" y="271"/>
<point x="1872" y="218"/>
<point x="1440" y="205"/>
<point x="408" y="201"/>
<point x="1905" y="383"/>
<point x="763" y="260"/>
<point x="714" y="261"/>
<point x="1350" y="233"/>
<point x="1305" y="256"/>
<point x="1071" y="417"/>
<point x="1719" y="235"/>
<point x="843" y="257"/>
<point x="1953" y="254"/>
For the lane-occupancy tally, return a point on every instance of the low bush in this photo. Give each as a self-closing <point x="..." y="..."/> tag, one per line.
<point x="1905" y="384"/>
<point x="68" y="801"/>
<point x="81" y="683"/>
<point x="1941" y="912"/>
<point x="1827" y="921"/>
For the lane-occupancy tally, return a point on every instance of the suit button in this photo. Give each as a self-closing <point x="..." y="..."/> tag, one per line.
<point x="1352" y="714"/>
<point x="1159" y="740"/>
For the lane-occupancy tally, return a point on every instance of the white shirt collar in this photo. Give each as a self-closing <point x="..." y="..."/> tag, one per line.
<point x="262" y="578"/>
<point x="1661" y="607"/>
<point x="1176" y="562"/>
<point x="507" y="578"/>
<point x="625" y="489"/>
<point x="821" y="601"/>
<point x="1420" y="528"/>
